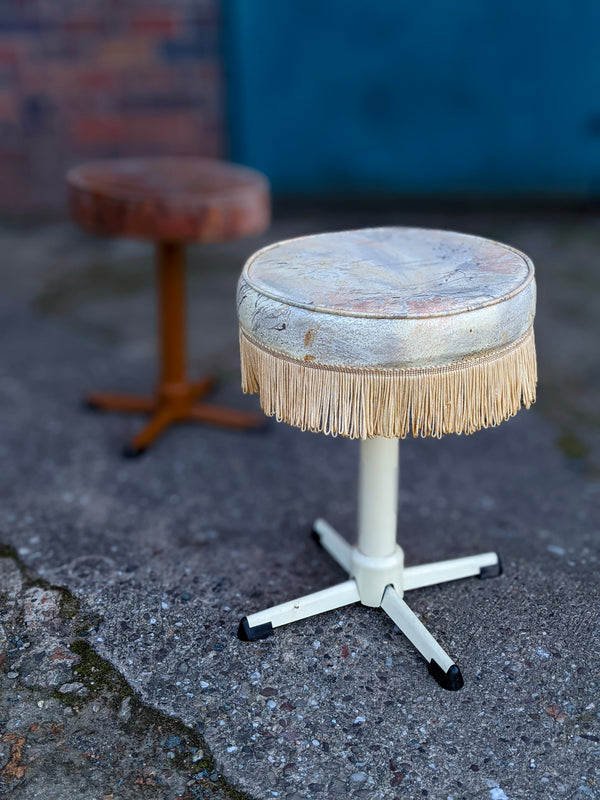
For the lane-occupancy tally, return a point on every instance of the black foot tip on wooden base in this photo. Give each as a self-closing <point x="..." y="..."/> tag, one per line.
<point x="89" y="404"/>
<point x="133" y="452"/>
<point x="252" y="634"/>
<point x="451" y="680"/>
<point x="260" y="428"/>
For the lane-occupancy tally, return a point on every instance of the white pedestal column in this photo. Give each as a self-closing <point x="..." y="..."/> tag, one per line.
<point x="378" y="497"/>
<point x="377" y="560"/>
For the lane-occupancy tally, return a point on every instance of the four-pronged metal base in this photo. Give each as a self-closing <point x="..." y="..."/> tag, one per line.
<point x="377" y="582"/>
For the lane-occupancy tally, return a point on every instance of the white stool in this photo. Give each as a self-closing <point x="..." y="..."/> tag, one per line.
<point x="375" y="334"/>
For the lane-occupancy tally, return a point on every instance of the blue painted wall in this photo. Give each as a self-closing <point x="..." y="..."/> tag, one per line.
<point x="470" y="96"/>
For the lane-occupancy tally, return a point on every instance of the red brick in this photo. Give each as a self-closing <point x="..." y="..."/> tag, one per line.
<point x="83" y="24"/>
<point x="98" y="129"/>
<point x="94" y="81"/>
<point x="119" y="53"/>
<point x="156" y="22"/>
<point x="13" y="50"/>
<point x="154" y="77"/>
<point x="179" y="131"/>
<point x="9" y="107"/>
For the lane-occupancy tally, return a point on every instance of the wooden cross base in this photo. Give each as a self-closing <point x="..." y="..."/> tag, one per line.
<point x="176" y="399"/>
<point x="170" y="405"/>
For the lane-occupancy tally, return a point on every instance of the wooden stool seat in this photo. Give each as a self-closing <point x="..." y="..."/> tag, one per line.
<point x="169" y="199"/>
<point x="172" y="202"/>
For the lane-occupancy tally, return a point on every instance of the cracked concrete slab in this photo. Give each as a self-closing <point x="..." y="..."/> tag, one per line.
<point x="71" y="726"/>
<point x="167" y="553"/>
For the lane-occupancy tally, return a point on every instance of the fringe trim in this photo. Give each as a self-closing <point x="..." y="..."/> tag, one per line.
<point x="363" y="403"/>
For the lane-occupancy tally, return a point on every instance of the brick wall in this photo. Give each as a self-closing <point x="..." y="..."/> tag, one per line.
<point x="81" y="79"/>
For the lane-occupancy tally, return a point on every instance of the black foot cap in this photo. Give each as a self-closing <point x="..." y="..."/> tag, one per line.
<point x="253" y="634"/>
<point x="133" y="452"/>
<point x="261" y="429"/>
<point x="316" y="537"/>
<point x="492" y="571"/>
<point x="90" y="405"/>
<point x="451" y="680"/>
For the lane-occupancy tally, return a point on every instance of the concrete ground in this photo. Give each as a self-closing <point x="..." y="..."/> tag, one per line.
<point x="123" y="581"/>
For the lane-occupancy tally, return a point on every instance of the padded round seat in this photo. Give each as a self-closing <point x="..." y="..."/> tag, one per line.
<point x="182" y="199"/>
<point x="389" y="330"/>
<point x="374" y="334"/>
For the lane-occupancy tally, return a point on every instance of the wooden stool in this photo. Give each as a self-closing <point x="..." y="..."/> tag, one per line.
<point x="173" y="202"/>
<point x="376" y="334"/>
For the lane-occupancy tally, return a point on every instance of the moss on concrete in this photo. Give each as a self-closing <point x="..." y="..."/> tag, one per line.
<point x="572" y="446"/>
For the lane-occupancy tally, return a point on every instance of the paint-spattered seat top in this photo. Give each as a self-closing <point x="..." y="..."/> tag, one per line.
<point x="386" y="297"/>
<point x="386" y="331"/>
